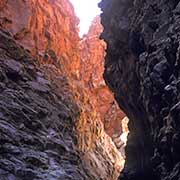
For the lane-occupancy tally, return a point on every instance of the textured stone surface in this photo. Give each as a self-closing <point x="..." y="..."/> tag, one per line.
<point x="49" y="127"/>
<point x="142" y="69"/>
<point x="35" y="137"/>
<point x="49" y="29"/>
<point x="92" y="53"/>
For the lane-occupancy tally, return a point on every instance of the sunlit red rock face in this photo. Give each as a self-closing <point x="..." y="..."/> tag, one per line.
<point x="48" y="28"/>
<point x="91" y="72"/>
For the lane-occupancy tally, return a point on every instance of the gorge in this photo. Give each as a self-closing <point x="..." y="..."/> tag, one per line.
<point x="65" y="101"/>
<point x="52" y="115"/>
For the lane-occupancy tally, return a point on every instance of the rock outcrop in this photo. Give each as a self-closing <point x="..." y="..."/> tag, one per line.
<point x="92" y="54"/>
<point x="48" y="29"/>
<point x="50" y="128"/>
<point x="142" y="69"/>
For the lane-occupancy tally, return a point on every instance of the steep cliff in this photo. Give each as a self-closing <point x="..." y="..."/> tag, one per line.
<point x="37" y="119"/>
<point x="92" y="54"/>
<point x="142" y="69"/>
<point x="50" y="128"/>
<point x="48" y="29"/>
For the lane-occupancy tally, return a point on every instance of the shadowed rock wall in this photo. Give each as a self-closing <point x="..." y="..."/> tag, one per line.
<point x="142" y="69"/>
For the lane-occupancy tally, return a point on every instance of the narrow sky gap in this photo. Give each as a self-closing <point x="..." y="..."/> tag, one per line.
<point x="86" y="10"/>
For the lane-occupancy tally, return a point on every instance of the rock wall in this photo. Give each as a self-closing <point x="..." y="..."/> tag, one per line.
<point x="49" y="128"/>
<point x="92" y="54"/>
<point x="48" y="29"/>
<point x="142" y="69"/>
<point x="37" y="119"/>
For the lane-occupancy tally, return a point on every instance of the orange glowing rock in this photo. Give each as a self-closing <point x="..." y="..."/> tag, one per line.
<point x="91" y="71"/>
<point x="48" y="29"/>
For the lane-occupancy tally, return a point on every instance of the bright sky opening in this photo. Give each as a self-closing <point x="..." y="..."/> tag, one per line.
<point x="86" y="10"/>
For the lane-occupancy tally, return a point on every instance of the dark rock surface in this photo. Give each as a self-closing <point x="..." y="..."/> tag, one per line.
<point x="37" y="120"/>
<point x="142" y="69"/>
